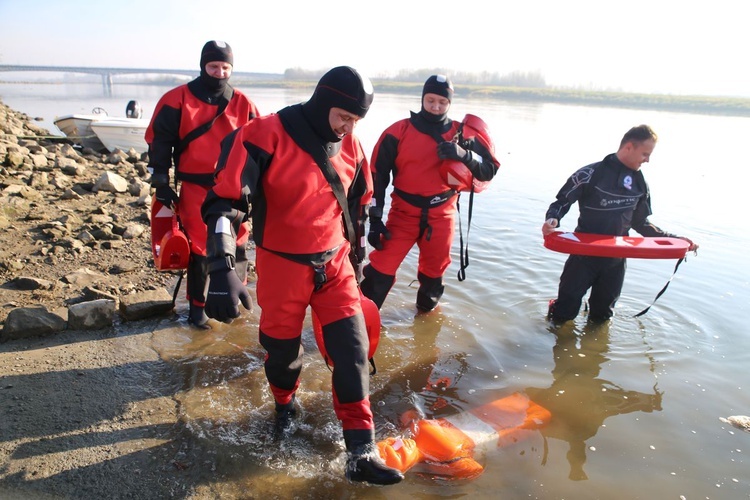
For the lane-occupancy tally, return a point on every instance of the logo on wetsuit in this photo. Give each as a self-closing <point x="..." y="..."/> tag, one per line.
<point x="607" y="203"/>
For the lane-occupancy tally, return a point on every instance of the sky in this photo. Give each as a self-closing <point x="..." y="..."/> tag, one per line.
<point x="661" y="46"/>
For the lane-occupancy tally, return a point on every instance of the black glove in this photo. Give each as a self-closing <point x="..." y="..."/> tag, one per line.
<point x="166" y="196"/>
<point x="225" y="292"/>
<point x="451" y="151"/>
<point x="377" y="228"/>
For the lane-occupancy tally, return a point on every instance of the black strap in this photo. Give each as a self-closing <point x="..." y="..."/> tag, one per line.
<point x="317" y="259"/>
<point x="177" y="288"/>
<point x="464" y="252"/>
<point x="426" y="202"/>
<point x="302" y="134"/>
<point x="199" y="131"/>
<point x="663" y="289"/>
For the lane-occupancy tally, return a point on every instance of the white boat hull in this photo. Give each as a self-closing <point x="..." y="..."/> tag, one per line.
<point x="122" y="133"/>
<point x="78" y="129"/>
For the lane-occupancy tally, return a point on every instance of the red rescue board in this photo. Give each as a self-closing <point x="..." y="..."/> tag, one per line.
<point x="603" y="245"/>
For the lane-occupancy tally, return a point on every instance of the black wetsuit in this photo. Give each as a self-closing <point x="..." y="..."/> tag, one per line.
<point x="612" y="199"/>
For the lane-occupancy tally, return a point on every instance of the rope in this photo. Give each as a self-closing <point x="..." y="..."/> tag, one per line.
<point x="60" y="137"/>
<point x="662" y="290"/>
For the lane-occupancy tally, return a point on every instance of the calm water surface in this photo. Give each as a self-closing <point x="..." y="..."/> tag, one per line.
<point x="635" y="403"/>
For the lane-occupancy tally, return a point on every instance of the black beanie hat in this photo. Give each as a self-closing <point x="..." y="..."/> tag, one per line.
<point x="343" y="87"/>
<point x="440" y="85"/>
<point x="216" y="51"/>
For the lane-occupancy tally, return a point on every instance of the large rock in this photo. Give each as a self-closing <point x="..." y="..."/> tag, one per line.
<point x="26" y="322"/>
<point x="82" y="277"/>
<point x="91" y="315"/>
<point x="146" y="304"/>
<point x="111" y="182"/>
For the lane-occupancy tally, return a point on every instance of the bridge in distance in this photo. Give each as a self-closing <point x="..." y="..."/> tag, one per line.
<point x="108" y="73"/>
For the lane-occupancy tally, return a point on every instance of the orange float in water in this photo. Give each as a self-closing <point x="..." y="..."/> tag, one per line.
<point x="446" y="446"/>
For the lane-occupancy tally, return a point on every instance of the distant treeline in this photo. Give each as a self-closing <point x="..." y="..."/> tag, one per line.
<point x="530" y="87"/>
<point x="515" y="86"/>
<point x="526" y="79"/>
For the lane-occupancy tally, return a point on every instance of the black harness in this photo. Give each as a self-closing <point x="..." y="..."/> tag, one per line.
<point x="201" y="179"/>
<point x="317" y="261"/>
<point x="425" y="203"/>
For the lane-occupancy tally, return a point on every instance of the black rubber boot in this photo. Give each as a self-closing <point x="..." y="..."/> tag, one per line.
<point x="197" y="318"/>
<point x="284" y="418"/>
<point x="429" y="293"/>
<point x="363" y="464"/>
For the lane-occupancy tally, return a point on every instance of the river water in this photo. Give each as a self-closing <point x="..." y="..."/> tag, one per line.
<point x="635" y="403"/>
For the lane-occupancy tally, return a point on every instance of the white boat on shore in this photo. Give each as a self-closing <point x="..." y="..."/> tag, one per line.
<point x="101" y="132"/>
<point x="122" y="133"/>
<point x="77" y="128"/>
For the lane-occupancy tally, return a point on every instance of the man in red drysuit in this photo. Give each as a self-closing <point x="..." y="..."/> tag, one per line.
<point x="308" y="182"/>
<point x="423" y="204"/>
<point x="186" y="130"/>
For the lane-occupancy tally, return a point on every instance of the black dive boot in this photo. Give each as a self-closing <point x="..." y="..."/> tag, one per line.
<point x="197" y="318"/>
<point x="429" y="293"/>
<point x="363" y="463"/>
<point x="284" y="416"/>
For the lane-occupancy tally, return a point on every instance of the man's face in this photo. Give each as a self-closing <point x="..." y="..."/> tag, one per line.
<point x="435" y="104"/>
<point x="219" y="69"/>
<point x="342" y="122"/>
<point x="636" y="154"/>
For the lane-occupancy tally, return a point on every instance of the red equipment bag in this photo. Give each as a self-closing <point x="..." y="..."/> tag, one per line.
<point x="169" y="245"/>
<point x="456" y="174"/>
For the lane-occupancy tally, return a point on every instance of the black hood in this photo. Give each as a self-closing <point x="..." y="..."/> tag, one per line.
<point x="440" y="85"/>
<point x="342" y="87"/>
<point x="215" y="51"/>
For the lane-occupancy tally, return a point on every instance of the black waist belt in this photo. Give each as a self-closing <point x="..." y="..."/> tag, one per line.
<point x="425" y="203"/>
<point x="315" y="260"/>
<point x="200" y="179"/>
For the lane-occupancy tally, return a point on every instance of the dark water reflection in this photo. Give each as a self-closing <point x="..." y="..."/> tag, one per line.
<point x="579" y="400"/>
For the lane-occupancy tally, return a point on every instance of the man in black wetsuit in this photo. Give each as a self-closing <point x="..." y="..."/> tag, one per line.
<point x="612" y="197"/>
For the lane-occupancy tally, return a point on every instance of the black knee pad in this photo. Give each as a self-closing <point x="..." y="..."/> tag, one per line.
<point x="284" y="361"/>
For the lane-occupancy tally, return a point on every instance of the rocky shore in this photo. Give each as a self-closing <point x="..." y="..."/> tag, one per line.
<point x="89" y="408"/>
<point x="74" y="228"/>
